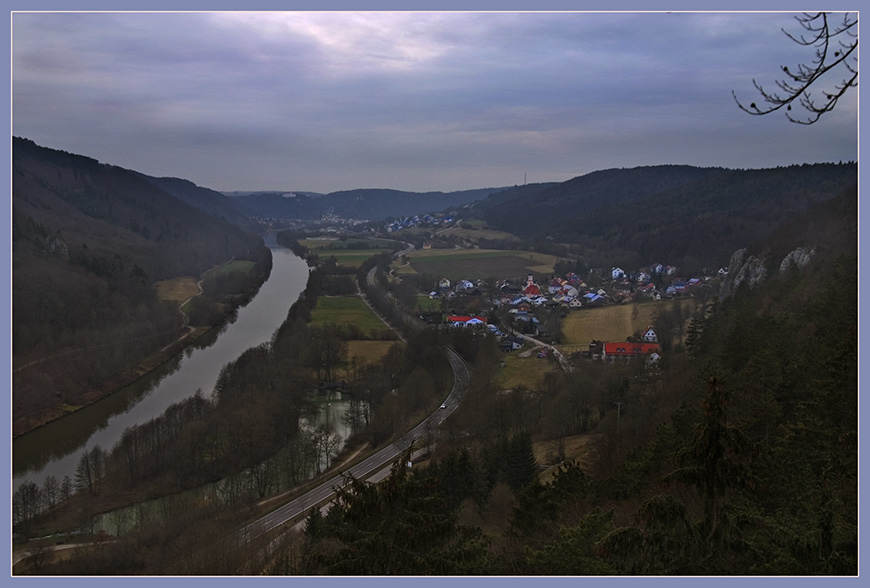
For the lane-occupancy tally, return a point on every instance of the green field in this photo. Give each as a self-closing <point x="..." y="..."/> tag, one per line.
<point x="233" y="266"/>
<point x="346" y="310"/>
<point x="345" y="256"/>
<point x="473" y="264"/>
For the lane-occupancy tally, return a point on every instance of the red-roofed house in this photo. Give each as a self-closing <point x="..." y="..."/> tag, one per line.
<point x="626" y="350"/>
<point x="531" y="288"/>
<point x="462" y="321"/>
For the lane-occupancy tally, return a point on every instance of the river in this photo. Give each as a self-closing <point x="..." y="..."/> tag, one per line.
<point x="56" y="448"/>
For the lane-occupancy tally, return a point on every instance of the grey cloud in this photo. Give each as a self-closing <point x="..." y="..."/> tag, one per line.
<point x="333" y="101"/>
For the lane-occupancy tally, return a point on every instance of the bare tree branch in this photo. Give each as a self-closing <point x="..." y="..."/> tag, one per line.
<point x="835" y="46"/>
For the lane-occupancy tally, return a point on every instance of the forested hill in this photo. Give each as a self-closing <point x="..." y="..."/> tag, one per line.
<point x="681" y="215"/>
<point x="207" y="200"/>
<point x="88" y="242"/>
<point x="62" y="201"/>
<point x="362" y="204"/>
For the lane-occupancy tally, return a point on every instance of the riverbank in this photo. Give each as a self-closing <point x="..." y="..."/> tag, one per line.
<point x="25" y="424"/>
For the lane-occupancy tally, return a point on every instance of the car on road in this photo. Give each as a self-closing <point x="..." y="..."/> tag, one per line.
<point x="443" y="405"/>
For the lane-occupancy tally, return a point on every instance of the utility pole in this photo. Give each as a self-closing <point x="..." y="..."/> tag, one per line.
<point x="618" y="411"/>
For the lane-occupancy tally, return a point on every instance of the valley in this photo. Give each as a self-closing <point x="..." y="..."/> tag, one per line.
<point x="550" y="380"/>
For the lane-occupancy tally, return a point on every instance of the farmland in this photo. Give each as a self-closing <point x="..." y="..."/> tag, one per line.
<point x="613" y="323"/>
<point x="233" y="266"/>
<point x="350" y="253"/>
<point x="368" y="351"/>
<point x="474" y="264"/>
<point x="475" y="234"/>
<point x="346" y="310"/>
<point x="176" y="289"/>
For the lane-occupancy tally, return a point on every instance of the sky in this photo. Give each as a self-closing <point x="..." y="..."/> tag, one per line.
<point x="418" y="101"/>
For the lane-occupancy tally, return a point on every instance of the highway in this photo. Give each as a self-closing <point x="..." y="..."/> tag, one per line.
<point x="368" y="466"/>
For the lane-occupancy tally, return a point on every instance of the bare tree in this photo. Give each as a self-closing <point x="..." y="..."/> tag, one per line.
<point x="836" y="49"/>
<point x="50" y="492"/>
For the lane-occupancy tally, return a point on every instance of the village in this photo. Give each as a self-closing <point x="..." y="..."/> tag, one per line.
<point x="519" y="302"/>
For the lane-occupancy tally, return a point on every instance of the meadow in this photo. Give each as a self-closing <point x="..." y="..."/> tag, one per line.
<point x="350" y="253"/>
<point x="613" y="323"/>
<point x="474" y="264"/>
<point x="523" y="369"/>
<point x="346" y="310"/>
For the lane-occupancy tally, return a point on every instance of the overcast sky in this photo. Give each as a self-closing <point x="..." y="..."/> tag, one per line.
<point x="413" y="101"/>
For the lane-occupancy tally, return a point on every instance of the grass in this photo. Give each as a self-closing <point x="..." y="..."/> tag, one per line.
<point x="611" y="323"/>
<point x="368" y="351"/>
<point x="326" y="248"/>
<point x="346" y="310"/>
<point x="339" y="245"/>
<point x="579" y="448"/>
<point x="473" y="264"/>
<point x="527" y="372"/>
<point x="477" y="234"/>
<point x="176" y="289"/>
<point x="424" y="303"/>
<point x="233" y="266"/>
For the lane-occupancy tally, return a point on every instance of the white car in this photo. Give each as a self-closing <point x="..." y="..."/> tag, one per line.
<point x="444" y="405"/>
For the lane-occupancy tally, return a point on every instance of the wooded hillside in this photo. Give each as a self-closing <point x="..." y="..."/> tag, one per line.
<point x="88" y="242"/>
<point x="692" y="218"/>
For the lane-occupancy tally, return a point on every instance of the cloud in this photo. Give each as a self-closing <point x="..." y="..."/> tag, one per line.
<point x="422" y="101"/>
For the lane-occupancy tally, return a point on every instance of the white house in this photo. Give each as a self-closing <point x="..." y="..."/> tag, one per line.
<point x="649" y="336"/>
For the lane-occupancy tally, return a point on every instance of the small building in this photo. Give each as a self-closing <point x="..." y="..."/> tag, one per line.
<point x="649" y="336"/>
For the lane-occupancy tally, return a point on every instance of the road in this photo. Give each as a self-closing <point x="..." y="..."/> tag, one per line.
<point x="368" y="466"/>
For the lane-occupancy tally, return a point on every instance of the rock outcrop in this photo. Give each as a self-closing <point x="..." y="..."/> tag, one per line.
<point x="797" y="258"/>
<point x="752" y="269"/>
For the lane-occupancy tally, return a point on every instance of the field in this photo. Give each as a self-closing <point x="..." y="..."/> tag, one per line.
<point x="176" y="289"/>
<point x="346" y="310"/>
<point x="477" y="234"/>
<point x="233" y="266"/>
<point x="325" y="248"/>
<point x="368" y="351"/>
<point x="611" y="323"/>
<point x="473" y="264"/>
<point x="426" y="304"/>
<point x="519" y="371"/>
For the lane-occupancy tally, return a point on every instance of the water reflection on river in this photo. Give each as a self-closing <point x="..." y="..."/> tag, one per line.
<point x="56" y="448"/>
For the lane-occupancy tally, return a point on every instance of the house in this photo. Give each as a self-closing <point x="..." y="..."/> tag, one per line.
<point x="575" y="303"/>
<point x="592" y="298"/>
<point x="649" y="336"/>
<point x="511" y="343"/>
<point x="464" y="286"/>
<point x="531" y="288"/>
<point x="627" y="350"/>
<point x="444" y="283"/>
<point x="617" y="274"/>
<point x="458" y="320"/>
